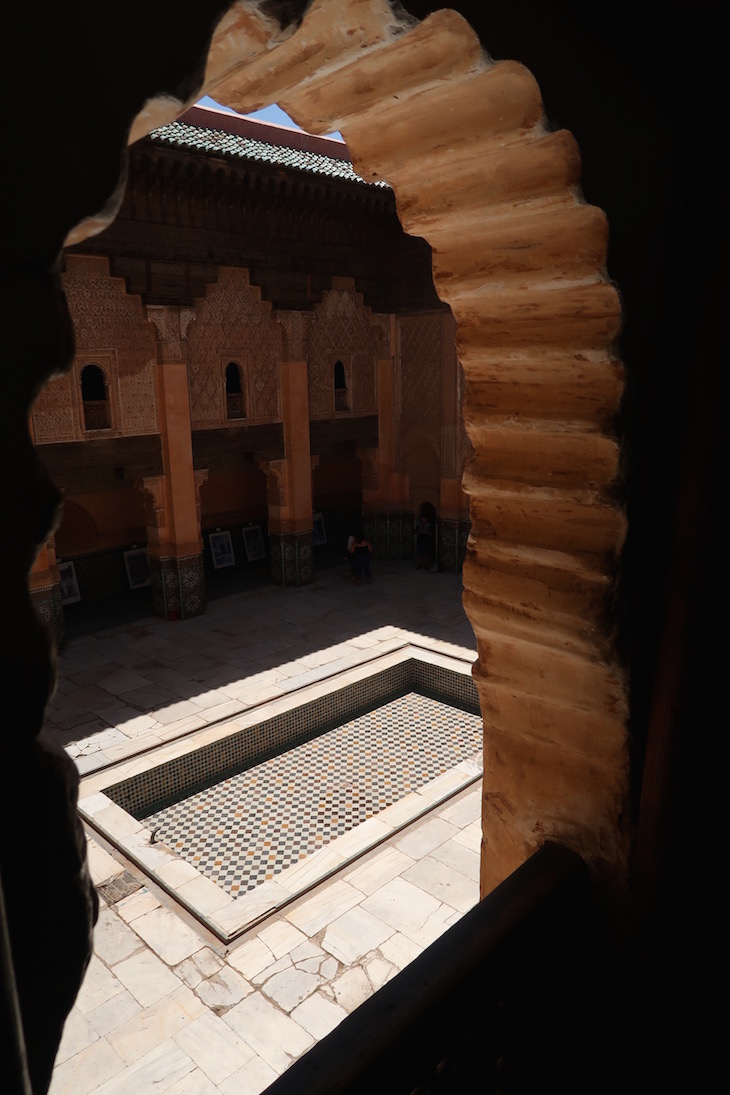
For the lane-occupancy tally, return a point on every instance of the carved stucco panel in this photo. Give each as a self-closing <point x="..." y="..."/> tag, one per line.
<point x="232" y="320"/>
<point x="55" y="412"/>
<point x="105" y="315"/>
<point x="275" y="472"/>
<point x="383" y="326"/>
<point x="153" y="491"/>
<point x="171" y="325"/>
<point x="138" y="401"/>
<point x="296" y="329"/>
<point x="420" y="378"/>
<point x="342" y="328"/>
<point x="264" y="380"/>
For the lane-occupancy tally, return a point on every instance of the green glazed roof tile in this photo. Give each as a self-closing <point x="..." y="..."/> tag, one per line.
<point x="216" y="142"/>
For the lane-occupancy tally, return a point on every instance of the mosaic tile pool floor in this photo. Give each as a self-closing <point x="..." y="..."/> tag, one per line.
<point x="250" y="827"/>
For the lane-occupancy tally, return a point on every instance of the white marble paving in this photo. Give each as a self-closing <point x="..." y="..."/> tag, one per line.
<point x="172" y="940"/>
<point x="294" y="974"/>
<point x="201" y="965"/>
<point x="315" y="912"/>
<point x="351" y="989"/>
<point x="459" y="856"/>
<point x="78" y="1035"/>
<point x="202" y="894"/>
<point x="98" y="986"/>
<point x="318" y="1015"/>
<point x="153" y="1026"/>
<point x="86" y="1072"/>
<point x="426" y="837"/>
<point x="136" y="905"/>
<point x="403" y="906"/>
<point x="379" y="971"/>
<point x="465" y="810"/>
<point x="443" y="883"/>
<point x="194" y="1083"/>
<point x="289" y="987"/>
<point x="434" y="926"/>
<point x="252" y="1079"/>
<point x="380" y="867"/>
<point x="108" y="1016"/>
<point x="251" y="957"/>
<point x="273" y="1035"/>
<point x="223" y="989"/>
<point x="113" y="940"/>
<point x="400" y="950"/>
<point x="156" y="1072"/>
<point x="281" y="937"/>
<point x="164" y="1006"/>
<point x="355" y="934"/>
<point x="210" y="1043"/>
<point x="146" y="977"/>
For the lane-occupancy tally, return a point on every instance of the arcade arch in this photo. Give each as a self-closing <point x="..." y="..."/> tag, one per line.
<point x="520" y="258"/>
<point x="95" y="398"/>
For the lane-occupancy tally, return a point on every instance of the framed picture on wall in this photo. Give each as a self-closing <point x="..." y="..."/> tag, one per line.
<point x="319" y="533"/>
<point x="221" y="549"/>
<point x="69" y="585"/>
<point x="138" y="568"/>
<point x="254" y="543"/>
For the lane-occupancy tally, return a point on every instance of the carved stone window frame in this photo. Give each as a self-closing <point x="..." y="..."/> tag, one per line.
<point x="242" y="361"/>
<point x="106" y="362"/>
<point x="344" y="405"/>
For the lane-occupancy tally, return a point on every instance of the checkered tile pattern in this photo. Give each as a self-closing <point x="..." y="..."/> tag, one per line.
<point x="247" y="828"/>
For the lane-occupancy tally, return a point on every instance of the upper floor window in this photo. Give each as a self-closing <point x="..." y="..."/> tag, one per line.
<point x="95" y="398"/>
<point x="235" y="395"/>
<point x="342" y="402"/>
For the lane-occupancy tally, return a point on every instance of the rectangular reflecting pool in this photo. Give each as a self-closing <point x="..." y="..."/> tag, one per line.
<point x="243" y="818"/>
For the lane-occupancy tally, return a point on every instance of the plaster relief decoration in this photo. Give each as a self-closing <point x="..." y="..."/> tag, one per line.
<point x="295" y="326"/>
<point x="419" y="405"/>
<point x="55" y="415"/>
<point x="384" y="327"/>
<point x="153" y="489"/>
<point x="232" y="321"/>
<point x="419" y="377"/>
<point x="171" y="324"/>
<point x="105" y="315"/>
<point x="274" y="470"/>
<point x="342" y="330"/>
<point x="421" y="464"/>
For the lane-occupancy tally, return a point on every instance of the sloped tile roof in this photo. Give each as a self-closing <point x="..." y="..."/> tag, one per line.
<point x="216" y="142"/>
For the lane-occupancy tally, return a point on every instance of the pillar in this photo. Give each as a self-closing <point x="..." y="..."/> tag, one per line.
<point x="290" y="484"/>
<point x="389" y="528"/>
<point x="174" y="541"/>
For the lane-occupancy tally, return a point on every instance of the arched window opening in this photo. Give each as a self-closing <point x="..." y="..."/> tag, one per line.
<point x="95" y="398"/>
<point x="341" y="398"/>
<point x="235" y="397"/>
